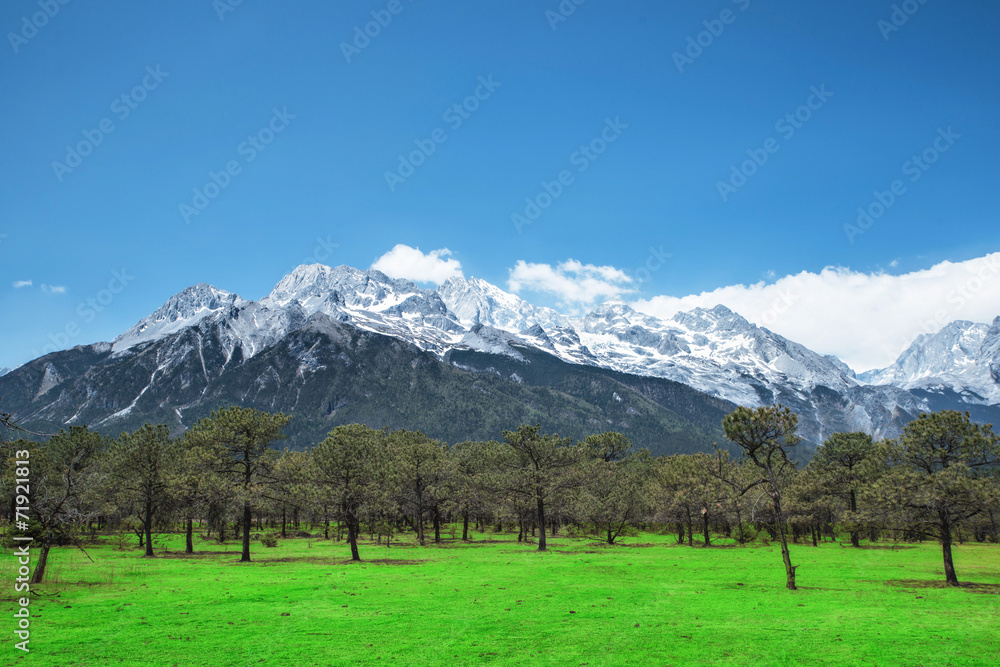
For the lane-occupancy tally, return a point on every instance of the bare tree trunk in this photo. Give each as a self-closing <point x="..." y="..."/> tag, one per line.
<point x="245" y="557"/>
<point x="704" y="520"/>
<point x="352" y="536"/>
<point x="541" y="520"/>
<point x="855" y="536"/>
<point x="785" y="556"/>
<point x="147" y="528"/>
<point x="189" y="543"/>
<point x="949" y="566"/>
<point x="437" y="526"/>
<point x="465" y="527"/>
<point x="39" y="573"/>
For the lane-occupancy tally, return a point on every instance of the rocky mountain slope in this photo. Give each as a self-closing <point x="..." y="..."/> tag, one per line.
<point x="323" y="328"/>
<point x="963" y="357"/>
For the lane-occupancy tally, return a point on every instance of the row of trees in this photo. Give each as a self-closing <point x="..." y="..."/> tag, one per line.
<point x="937" y="479"/>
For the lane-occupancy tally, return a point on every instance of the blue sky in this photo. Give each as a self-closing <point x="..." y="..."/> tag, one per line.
<point x="208" y="85"/>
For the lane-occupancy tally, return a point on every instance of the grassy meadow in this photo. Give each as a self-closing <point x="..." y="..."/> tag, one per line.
<point x="646" y="601"/>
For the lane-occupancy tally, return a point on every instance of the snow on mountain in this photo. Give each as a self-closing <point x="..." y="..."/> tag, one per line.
<point x="476" y="301"/>
<point x="184" y="309"/>
<point x="489" y="339"/>
<point x="963" y="357"/>
<point x="990" y="349"/>
<point x="373" y="301"/>
<point x="714" y="350"/>
<point x="4" y="371"/>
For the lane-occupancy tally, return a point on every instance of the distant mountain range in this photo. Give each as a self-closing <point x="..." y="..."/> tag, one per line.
<point x="464" y="361"/>
<point x="962" y="358"/>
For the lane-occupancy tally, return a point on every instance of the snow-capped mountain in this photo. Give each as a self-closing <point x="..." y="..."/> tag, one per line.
<point x="475" y="301"/>
<point x="4" y="371"/>
<point x="184" y="309"/>
<point x="963" y="357"/>
<point x="715" y="351"/>
<point x="201" y="334"/>
<point x="372" y="301"/>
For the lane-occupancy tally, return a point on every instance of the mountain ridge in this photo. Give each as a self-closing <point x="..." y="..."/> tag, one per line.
<point x="210" y="332"/>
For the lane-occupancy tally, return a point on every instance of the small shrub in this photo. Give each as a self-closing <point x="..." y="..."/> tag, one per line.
<point x="629" y="531"/>
<point x="269" y="540"/>
<point x="121" y="541"/>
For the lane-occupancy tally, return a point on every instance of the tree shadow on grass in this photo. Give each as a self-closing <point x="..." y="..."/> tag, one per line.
<point x="880" y="547"/>
<point x="988" y="589"/>
<point x="332" y="561"/>
<point x="195" y="555"/>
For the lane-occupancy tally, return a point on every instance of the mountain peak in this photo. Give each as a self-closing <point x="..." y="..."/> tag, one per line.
<point x="312" y="284"/>
<point x="475" y="301"/>
<point x="182" y="310"/>
<point x="962" y="355"/>
<point x="719" y="318"/>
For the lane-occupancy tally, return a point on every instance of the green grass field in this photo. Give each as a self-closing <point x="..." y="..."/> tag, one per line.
<point x="647" y="601"/>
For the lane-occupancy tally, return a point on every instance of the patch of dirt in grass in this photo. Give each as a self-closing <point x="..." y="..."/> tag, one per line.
<point x="389" y="561"/>
<point x="331" y="561"/>
<point x="196" y="554"/>
<point x="290" y="559"/>
<point x="989" y="589"/>
<point x="622" y="545"/>
<point x="879" y="547"/>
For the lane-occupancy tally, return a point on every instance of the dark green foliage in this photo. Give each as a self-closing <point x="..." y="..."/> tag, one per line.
<point x="937" y="475"/>
<point x="766" y="435"/>
<point x="243" y="438"/>
<point x="65" y="485"/>
<point x="138" y="469"/>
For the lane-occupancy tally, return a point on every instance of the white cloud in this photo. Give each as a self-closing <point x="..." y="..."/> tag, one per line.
<point x="53" y="289"/>
<point x="18" y="284"/>
<point x="409" y="263"/>
<point x="574" y="283"/>
<point x="866" y="319"/>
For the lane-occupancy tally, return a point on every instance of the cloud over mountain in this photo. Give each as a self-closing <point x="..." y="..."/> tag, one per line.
<point x="866" y="319"/>
<point x="412" y="264"/>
